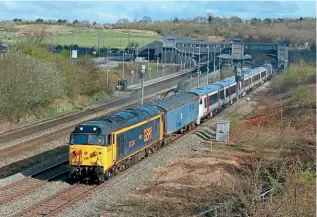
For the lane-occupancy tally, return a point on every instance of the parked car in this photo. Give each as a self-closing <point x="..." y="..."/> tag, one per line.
<point x="140" y="59"/>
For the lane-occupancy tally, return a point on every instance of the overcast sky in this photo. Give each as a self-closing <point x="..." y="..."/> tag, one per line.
<point x="111" y="11"/>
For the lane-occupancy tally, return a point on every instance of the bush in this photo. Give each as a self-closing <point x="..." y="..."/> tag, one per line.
<point x="27" y="82"/>
<point x="302" y="94"/>
<point x="82" y="77"/>
<point x="297" y="74"/>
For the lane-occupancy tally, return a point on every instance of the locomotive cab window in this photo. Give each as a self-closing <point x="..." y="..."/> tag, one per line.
<point x="96" y="140"/>
<point x="78" y="139"/>
<point x="86" y="139"/>
<point x="200" y="101"/>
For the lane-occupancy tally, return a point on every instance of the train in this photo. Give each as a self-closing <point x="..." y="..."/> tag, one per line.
<point x="101" y="148"/>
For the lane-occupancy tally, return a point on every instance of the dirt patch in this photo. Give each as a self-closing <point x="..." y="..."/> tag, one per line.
<point x="137" y="32"/>
<point x="194" y="172"/>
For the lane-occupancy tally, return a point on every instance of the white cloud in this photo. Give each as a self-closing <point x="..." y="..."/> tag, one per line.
<point x="10" y="4"/>
<point x="113" y="17"/>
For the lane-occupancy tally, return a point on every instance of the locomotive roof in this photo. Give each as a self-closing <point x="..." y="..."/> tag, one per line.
<point x="174" y="101"/>
<point x="118" y="120"/>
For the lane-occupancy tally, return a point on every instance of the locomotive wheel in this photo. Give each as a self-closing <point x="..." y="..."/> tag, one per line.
<point x="100" y="178"/>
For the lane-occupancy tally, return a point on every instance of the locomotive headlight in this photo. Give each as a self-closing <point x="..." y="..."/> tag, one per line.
<point x="94" y="128"/>
<point x="81" y="128"/>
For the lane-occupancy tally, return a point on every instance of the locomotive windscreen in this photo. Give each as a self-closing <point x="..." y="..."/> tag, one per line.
<point x="86" y="139"/>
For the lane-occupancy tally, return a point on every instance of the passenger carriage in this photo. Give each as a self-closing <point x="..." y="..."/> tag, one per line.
<point x="253" y="78"/>
<point x="213" y="97"/>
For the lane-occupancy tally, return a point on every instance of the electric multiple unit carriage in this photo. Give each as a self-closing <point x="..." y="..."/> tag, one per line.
<point x="103" y="147"/>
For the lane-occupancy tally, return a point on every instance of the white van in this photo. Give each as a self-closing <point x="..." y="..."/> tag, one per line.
<point x="140" y="59"/>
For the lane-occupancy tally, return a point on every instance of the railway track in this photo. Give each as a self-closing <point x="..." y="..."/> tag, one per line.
<point x="14" y="151"/>
<point x="56" y="204"/>
<point x="28" y="184"/>
<point x="52" y="205"/>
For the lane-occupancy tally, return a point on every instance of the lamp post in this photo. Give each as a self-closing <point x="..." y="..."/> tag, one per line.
<point x="184" y="57"/>
<point x="198" y="77"/>
<point x="148" y="58"/>
<point x="219" y="58"/>
<point x="208" y="66"/>
<point x="141" y="74"/>
<point x="157" y="58"/>
<point x="163" y="69"/>
<point x="131" y="76"/>
<point x="215" y="58"/>
<point x="123" y="64"/>
<point x="199" y="57"/>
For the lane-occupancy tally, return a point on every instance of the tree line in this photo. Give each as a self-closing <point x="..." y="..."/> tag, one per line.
<point x="297" y="31"/>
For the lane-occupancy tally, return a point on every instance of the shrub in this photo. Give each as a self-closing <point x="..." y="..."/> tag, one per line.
<point x="302" y="94"/>
<point x="82" y="77"/>
<point x="27" y="82"/>
<point x="297" y="74"/>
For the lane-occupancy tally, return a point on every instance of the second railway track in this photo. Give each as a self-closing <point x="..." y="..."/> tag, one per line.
<point x="31" y="183"/>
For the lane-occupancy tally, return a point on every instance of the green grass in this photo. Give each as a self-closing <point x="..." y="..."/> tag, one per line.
<point x="80" y="36"/>
<point x="107" y="38"/>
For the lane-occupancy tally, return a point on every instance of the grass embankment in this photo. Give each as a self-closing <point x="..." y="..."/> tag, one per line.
<point x="36" y="83"/>
<point x="273" y="146"/>
<point x="81" y="36"/>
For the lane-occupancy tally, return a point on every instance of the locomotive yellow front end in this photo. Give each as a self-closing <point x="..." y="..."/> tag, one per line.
<point x="90" y="154"/>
